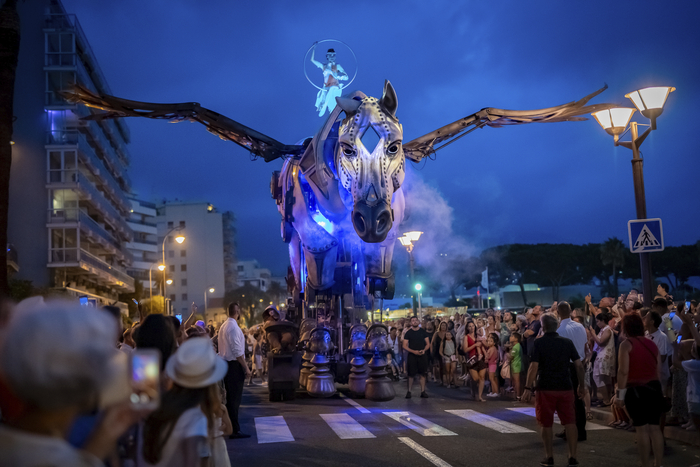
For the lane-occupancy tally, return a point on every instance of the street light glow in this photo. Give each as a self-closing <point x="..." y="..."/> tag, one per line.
<point x="414" y="235"/>
<point x="650" y="98"/>
<point x="161" y="267"/>
<point x="405" y="241"/>
<point x="211" y="289"/>
<point x="180" y="239"/>
<point x="614" y="121"/>
<point x="418" y="287"/>
<point x="169" y="281"/>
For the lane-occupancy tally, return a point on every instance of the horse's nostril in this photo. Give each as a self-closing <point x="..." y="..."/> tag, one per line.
<point x="383" y="222"/>
<point x="359" y="222"/>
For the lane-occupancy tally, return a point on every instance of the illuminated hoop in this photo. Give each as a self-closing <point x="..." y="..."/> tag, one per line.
<point x="306" y="59"/>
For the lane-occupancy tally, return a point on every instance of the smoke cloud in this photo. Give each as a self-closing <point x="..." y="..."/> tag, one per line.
<point x="430" y="213"/>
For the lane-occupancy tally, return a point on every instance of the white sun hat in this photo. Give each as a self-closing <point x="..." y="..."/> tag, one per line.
<point x="195" y="365"/>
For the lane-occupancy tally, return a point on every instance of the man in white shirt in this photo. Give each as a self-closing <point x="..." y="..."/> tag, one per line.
<point x="232" y="349"/>
<point x="577" y="333"/>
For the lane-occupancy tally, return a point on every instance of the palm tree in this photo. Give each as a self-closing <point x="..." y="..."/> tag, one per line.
<point x="612" y="252"/>
<point x="9" y="51"/>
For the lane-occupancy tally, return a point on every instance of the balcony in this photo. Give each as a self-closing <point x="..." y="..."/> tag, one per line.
<point x="74" y="179"/>
<point x="89" y="157"/>
<point x="79" y="261"/>
<point x="92" y="229"/>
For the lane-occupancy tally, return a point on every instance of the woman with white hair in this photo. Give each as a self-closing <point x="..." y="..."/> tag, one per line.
<point x="177" y="433"/>
<point x="56" y="357"/>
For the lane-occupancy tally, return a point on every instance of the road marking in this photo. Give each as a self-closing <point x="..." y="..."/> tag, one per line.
<point x="419" y="424"/>
<point x="424" y="452"/>
<point x="531" y="412"/>
<point x="488" y="421"/>
<point x="272" y="430"/>
<point x="346" y="427"/>
<point x="353" y="403"/>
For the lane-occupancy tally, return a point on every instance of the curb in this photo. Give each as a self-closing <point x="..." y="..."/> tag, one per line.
<point x="671" y="432"/>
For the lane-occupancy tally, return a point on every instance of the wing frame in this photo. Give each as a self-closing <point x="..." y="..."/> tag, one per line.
<point x="425" y="146"/>
<point x="259" y="144"/>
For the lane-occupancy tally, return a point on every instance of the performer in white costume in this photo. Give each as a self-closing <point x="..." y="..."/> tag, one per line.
<point x="333" y="73"/>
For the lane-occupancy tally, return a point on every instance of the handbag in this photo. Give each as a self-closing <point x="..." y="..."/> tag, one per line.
<point x="505" y="371"/>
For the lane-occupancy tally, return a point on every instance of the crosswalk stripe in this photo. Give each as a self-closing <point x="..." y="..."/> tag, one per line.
<point x="345" y="426"/>
<point x="353" y="403"/>
<point x="272" y="430"/>
<point x="488" y="421"/>
<point x="531" y="412"/>
<point x="424" y="452"/>
<point x="419" y="424"/>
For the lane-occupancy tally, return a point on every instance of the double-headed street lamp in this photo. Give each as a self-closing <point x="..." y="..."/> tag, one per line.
<point x="650" y="103"/>
<point x="161" y="267"/>
<point x="179" y="239"/>
<point x="407" y="240"/>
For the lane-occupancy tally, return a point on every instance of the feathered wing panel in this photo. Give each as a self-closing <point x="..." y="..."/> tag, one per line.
<point x="426" y="145"/>
<point x="257" y="143"/>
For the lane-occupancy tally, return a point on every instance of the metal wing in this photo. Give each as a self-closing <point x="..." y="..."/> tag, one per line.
<point x="258" y="144"/>
<point x="425" y="146"/>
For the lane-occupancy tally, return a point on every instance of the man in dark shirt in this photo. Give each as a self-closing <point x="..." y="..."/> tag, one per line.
<point x="550" y="367"/>
<point x="416" y="343"/>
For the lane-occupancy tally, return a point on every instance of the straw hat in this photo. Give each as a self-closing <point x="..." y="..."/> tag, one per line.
<point x="195" y="365"/>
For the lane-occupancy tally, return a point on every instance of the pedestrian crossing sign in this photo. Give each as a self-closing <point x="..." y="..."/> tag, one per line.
<point x="646" y="235"/>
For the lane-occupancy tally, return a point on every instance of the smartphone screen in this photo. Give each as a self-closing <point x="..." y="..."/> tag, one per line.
<point x="179" y="317"/>
<point x="145" y="378"/>
<point x="678" y="341"/>
<point x="687" y="306"/>
<point x="84" y="301"/>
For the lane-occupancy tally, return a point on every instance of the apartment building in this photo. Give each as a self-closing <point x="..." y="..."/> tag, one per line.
<point x="68" y="195"/>
<point x="197" y="265"/>
<point x="144" y="247"/>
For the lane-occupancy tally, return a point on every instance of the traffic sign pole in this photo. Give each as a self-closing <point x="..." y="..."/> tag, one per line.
<point x="641" y="204"/>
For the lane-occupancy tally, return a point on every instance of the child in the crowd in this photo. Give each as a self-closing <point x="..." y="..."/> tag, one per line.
<point x="257" y="359"/>
<point x="516" y="362"/>
<point x="222" y="427"/>
<point x="448" y="353"/>
<point x="492" y="360"/>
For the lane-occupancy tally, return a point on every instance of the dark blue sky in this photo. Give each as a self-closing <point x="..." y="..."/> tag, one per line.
<point x="561" y="182"/>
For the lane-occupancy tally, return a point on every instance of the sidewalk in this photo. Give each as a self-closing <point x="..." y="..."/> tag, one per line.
<point x="604" y="415"/>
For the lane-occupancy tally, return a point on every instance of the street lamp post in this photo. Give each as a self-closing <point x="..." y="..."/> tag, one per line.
<point x="161" y="267"/>
<point x="210" y="290"/>
<point x="650" y="103"/>
<point x="407" y="240"/>
<point x="178" y="239"/>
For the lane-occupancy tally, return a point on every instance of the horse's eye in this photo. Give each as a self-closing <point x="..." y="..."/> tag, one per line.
<point x="393" y="148"/>
<point x="348" y="151"/>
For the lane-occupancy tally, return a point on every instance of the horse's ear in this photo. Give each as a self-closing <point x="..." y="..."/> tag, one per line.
<point x="349" y="105"/>
<point x="389" y="101"/>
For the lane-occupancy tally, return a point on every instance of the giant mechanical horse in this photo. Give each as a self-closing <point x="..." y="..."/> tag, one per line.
<point x="341" y="203"/>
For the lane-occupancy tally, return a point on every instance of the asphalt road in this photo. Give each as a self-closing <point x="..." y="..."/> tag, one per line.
<point x="332" y="432"/>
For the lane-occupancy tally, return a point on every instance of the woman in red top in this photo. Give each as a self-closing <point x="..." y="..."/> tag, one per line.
<point x="475" y="360"/>
<point x="639" y="387"/>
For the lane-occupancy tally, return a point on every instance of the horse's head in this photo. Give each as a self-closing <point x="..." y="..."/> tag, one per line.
<point x="371" y="175"/>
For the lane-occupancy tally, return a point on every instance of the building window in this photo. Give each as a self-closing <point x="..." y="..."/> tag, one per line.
<point x="183" y="282"/>
<point x="182" y="224"/>
<point x="183" y="267"/>
<point x="172" y="297"/>
<point x="183" y="253"/>
<point x="57" y="82"/>
<point x="171" y="254"/>
<point x="184" y="296"/>
<point x="263" y="283"/>
<point x="170" y="239"/>
<point x="64" y="246"/>
<point x="172" y="268"/>
<point x="60" y="49"/>
<point x="62" y="164"/>
<point x="240" y="268"/>
<point x="170" y="225"/>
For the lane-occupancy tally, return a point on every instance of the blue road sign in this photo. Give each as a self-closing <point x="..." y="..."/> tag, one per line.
<point x="646" y="235"/>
